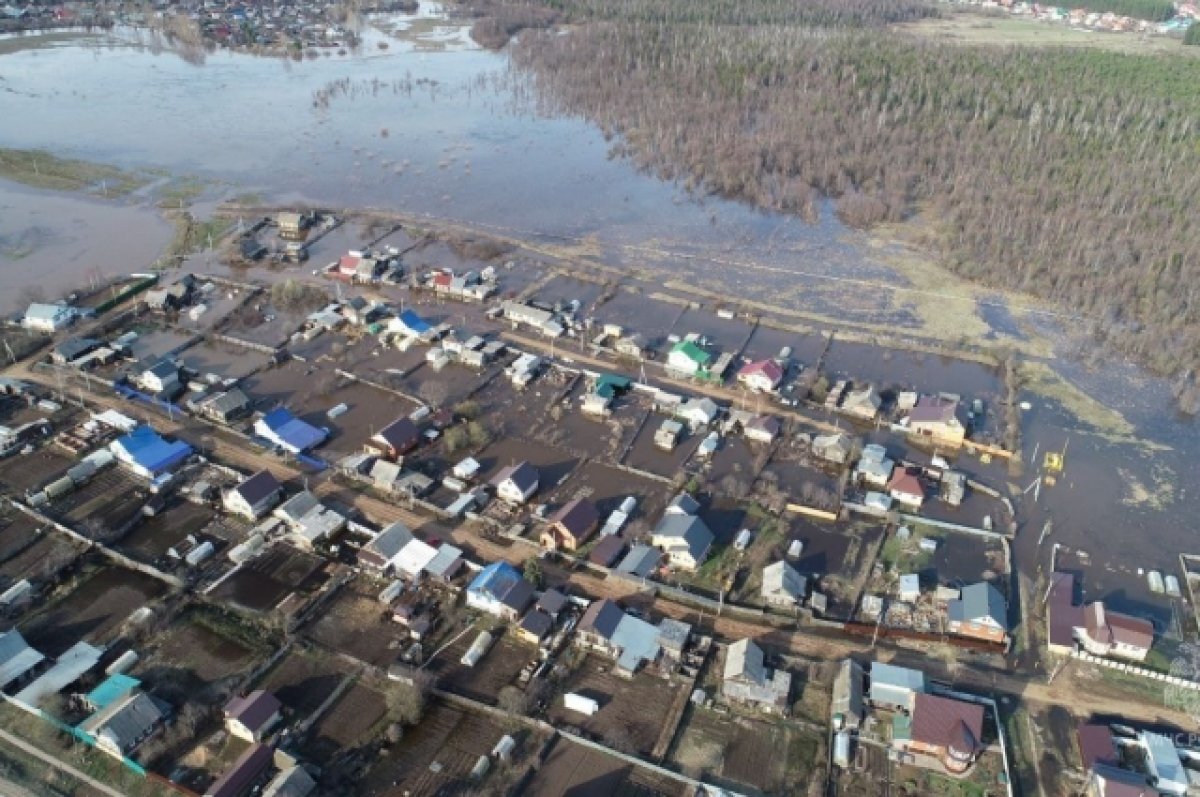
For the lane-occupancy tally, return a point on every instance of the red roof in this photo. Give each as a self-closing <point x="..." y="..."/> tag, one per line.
<point x="1096" y="745"/>
<point x="954" y="725"/>
<point x="906" y="483"/>
<point x="768" y="368"/>
<point x="348" y="263"/>
<point x="1063" y="615"/>
<point x="1131" y="631"/>
<point x="443" y="279"/>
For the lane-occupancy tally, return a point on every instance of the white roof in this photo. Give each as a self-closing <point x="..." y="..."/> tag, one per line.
<point x="16" y="657"/>
<point x="414" y="557"/>
<point x="69" y="667"/>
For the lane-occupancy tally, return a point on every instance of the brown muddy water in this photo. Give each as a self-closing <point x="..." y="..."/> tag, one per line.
<point x="433" y="125"/>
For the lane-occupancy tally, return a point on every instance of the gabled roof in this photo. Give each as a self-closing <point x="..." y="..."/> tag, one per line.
<point x="400" y="434"/>
<point x="444" y="562"/>
<point x="601" y="618"/>
<point x="253" y="710"/>
<point x="16" y="657"/>
<point x="523" y="476"/>
<point x="693" y="352"/>
<point x="690" y="532"/>
<point x="744" y="661"/>
<point x="71" y="348"/>
<point x="147" y="449"/>
<point x="248" y="768"/>
<point x="607" y="550"/>
<point x="980" y="601"/>
<point x="577" y="517"/>
<point x="1131" y="631"/>
<point x="228" y="401"/>
<point x="931" y="409"/>
<point x="537" y="622"/>
<point x="905" y="482"/>
<point x="640" y="561"/>
<point x="414" y="322"/>
<point x="768" y="368"/>
<point x="952" y="724"/>
<point x="551" y="601"/>
<point x="684" y="504"/>
<point x="501" y="582"/>
<point x="1096" y="745"/>
<point x="890" y="676"/>
<point x="389" y="542"/>
<point x="258" y="487"/>
<point x="126" y="721"/>
<point x="768" y="424"/>
<point x="780" y="578"/>
<point x="291" y="430"/>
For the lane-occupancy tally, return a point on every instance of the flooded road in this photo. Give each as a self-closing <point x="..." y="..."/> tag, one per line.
<point x="432" y="124"/>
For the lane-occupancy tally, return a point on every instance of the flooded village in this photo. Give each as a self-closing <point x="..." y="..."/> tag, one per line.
<point x="372" y="506"/>
<point x="508" y="487"/>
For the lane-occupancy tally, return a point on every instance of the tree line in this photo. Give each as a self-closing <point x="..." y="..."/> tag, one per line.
<point x="1153" y="10"/>
<point x="1065" y="173"/>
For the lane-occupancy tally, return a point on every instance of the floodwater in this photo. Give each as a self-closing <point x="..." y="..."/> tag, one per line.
<point x="431" y="124"/>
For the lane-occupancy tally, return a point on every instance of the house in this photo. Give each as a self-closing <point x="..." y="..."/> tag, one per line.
<point x="255" y="496"/>
<point x="631" y="641"/>
<point x="385" y="474"/>
<point x="17" y="659"/>
<point x="761" y="376"/>
<point x="895" y="687"/>
<point x="667" y="435"/>
<point x="535" y="626"/>
<point x="571" y="526"/>
<point x="521" y="313"/>
<point x="905" y="487"/>
<point x="835" y="448"/>
<point x="292" y="225"/>
<point x="381" y="552"/>
<point x="641" y="561"/>
<point x="762" y="428"/>
<point x="48" y="318"/>
<point x="939" y="420"/>
<point x="246" y="772"/>
<point x="874" y="467"/>
<point x="980" y="613"/>
<point x="633" y="346"/>
<point x="607" y="551"/>
<point x="1110" y="781"/>
<point x="847" y="697"/>
<point x="309" y="520"/>
<point x="686" y="358"/>
<point x="161" y="379"/>
<point x="909" y="588"/>
<point x="411" y="324"/>
<point x="171" y="297"/>
<point x="146" y="453"/>
<point x="673" y="636"/>
<point x="1063" y="615"/>
<point x="1096" y="745"/>
<point x="445" y="564"/>
<point x="552" y="602"/>
<point x="951" y="730"/>
<point x="747" y="681"/>
<point x="291" y="782"/>
<point x="1107" y="633"/>
<point x="864" y="403"/>
<point x="683" y="504"/>
<point x="685" y="539"/>
<point x="413" y="558"/>
<point x="284" y="430"/>
<point x="516" y="484"/>
<point x="500" y="590"/>
<point x="250" y="716"/>
<point x="225" y="406"/>
<point x="466" y="470"/>
<point x="1163" y="764"/>
<point x="122" y="725"/>
<point x="72" y="349"/>
<point x="394" y="440"/>
<point x="783" y="586"/>
<point x="698" y="412"/>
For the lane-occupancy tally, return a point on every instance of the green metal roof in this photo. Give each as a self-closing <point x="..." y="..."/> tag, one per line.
<point x="692" y="352"/>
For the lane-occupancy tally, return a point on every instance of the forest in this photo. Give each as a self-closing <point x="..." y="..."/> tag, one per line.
<point x="1065" y="173"/>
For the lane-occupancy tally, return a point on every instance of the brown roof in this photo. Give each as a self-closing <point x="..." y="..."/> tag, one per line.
<point x="930" y="409"/>
<point x="601" y="618"/>
<point x="607" y="551"/>
<point x="253" y="710"/>
<point x="1064" y="616"/>
<point x="244" y="773"/>
<point x="577" y="517"/>
<point x="950" y="724"/>
<point x="905" y="482"/>
<point x="1132" y="631"/>
<point x="1096" y="745"/>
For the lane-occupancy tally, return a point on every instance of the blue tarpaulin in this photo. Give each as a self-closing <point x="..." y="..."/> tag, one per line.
<point x="146" y="449"/>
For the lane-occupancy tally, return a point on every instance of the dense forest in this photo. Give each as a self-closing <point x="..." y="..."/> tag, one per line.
<point x="1066" y="173"/>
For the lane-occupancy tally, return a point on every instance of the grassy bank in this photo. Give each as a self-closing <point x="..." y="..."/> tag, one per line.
<point x="40" y="169"/>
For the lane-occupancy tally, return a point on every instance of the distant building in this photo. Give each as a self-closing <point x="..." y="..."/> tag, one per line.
<point x="500" y="590"/>
<point x="641" y="561"/>
<point x="667" y="434"/>
<point x="516" y="484"/>
<point x="161" y="379"/>
<point x="225" y="406"/>
<point x="291" y="782"/>
<point x="762" y="376"/>
<point x="980" y="613"/>
<point x="698" y="412"/>
<point x="48" y="318"/>
<point x="17" y="659"/>
<point x="535" y="626"/>
<point x="251" y="716"/>
<point x="863" y="404"/>
<point x="146" y="453"/>
<point x="835" y="448"/>
<point x="607" y="551"/>
<point x="747" y="681"/>
<point x="939" y="420"/>
<point x="255" y="496"/>
<point x="279" y="427"/>
<point x="394" y="440"/>
<point x="571" y="526"/>
<point x="72" y="349"/>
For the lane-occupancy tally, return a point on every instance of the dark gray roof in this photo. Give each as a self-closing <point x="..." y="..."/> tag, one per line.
<point x="537" y="623"/>
<point x="602" y="618"/>
<point x="400" y="433"/>
<point x="253" y="710"/>
<point x="552" y="601"/>
<point x="524" y="476"/>
<point x="229" y="401"/>
<point x="640" y="561"/>
<point x="258" y="487"/>
<point x="71" y="348"/>
<point x="978" y="601"/>
<point x="163" y="369"/>
<point x="685" y="503"/>
<point x="692" y="530"/>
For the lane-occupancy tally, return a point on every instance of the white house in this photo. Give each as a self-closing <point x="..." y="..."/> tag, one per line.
<point x="251" y="716"/>
<point x="48" y="317"/>
<point x="782" y="585"/>
<point x="762" y="376"/>
<point x="516" y="484"/>
<point x="255" y="496"/>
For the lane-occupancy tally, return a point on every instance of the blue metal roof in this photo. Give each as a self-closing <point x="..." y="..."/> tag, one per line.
<point x="291" y="430"/>
<point x="415" y="322"/>
<point x="495" y="580"/>
<point x="151" y="452"/>
<point x="111" y="690"/>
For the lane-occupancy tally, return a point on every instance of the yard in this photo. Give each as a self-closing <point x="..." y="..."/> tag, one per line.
<point x="578" y="771"/>
<point x="91" y="608"/>
<point x="349" y="722"/>
<point x="269" y="578"/>
<point x="645" y="455"/>
<point x="632" y="711"/>
<point x="151" y="538"/>
<point x="302" y="681"/>
<point x="497" y="669"/>
<point x="356" y="623"/>
<point x="777" y="758"/>
<point x="30" y="552"/>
